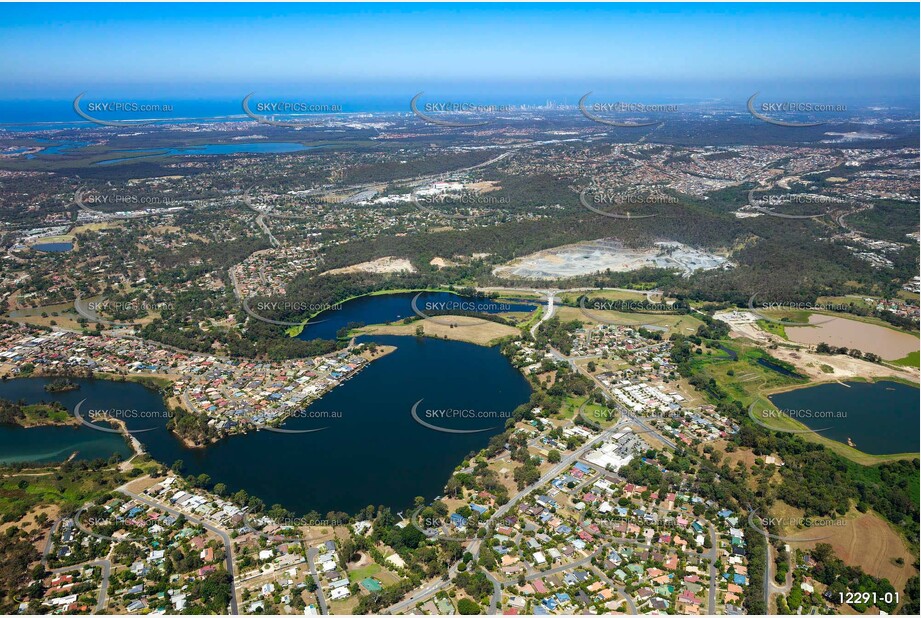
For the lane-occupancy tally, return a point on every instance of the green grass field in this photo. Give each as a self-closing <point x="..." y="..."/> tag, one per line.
<point x="22" y="491"/>
<point x="573" y="297"/>
<point x="744" y="379"/>
<point x="369" y="570"/>
<point x="39" y="414"/>
<point x="773" y="328"/>
<point x="912" y="360"/>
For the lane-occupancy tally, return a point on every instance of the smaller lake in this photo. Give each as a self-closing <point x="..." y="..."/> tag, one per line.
<point x="880" y="417"/>
<point x="212" y="149"/>
<point x="392" y="307"/>
<point x="778" y="368"/>
<point x="56" y="147"/>
<point x="52" y="444"/>
<point x="60" y="147"/>
<point x="889" y="344"/>
<point x="54" y="247"/>
<point x="733" y="355"/>
<point x="49" y="443"/>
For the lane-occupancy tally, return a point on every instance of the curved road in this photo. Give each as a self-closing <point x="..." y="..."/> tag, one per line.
<point x="106" y="567"/>
<point x="321" y="598"/>
<point x="228" y="547"/>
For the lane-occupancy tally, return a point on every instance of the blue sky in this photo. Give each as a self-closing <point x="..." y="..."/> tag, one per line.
<point x="58" y="50"/>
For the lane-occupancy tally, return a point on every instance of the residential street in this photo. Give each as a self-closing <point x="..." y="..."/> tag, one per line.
<point x="106" y="567"/>
<point x="321" y="598"/>
<point x="228" y="547"/>
<point x="474" y="547"/>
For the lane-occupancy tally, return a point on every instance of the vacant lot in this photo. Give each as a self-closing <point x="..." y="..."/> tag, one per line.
<point x="663" y="322"/>
<point x="458" y="328"/>
<point x="380" y="266"/>
<point x="865" y="540"/>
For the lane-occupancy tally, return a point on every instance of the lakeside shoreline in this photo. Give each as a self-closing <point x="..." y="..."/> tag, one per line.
<point x="382" y="351"/>
<point x="157" y="382"/>
<point x="294" y="331"/>
<point x="839" y="447"/>
<point x="491" y="333"/>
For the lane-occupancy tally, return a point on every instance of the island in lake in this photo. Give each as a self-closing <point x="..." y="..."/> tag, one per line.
<point x="61" y="385"/>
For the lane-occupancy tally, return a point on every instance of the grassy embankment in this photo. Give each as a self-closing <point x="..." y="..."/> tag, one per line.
<point x="747" y="381"/>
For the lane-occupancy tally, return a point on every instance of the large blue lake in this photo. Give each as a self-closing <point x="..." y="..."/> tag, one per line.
<point x="370" y="451"/>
